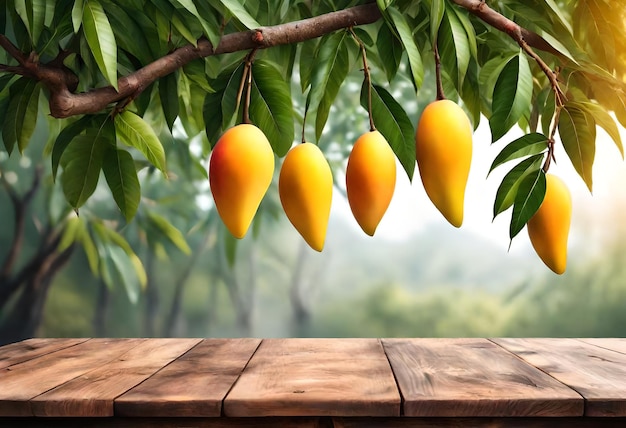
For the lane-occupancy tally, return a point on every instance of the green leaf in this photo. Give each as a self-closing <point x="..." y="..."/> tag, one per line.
<point x="65" y="137"/>
<point x="530" y="194"/>
<point x="212" y="113"/>
<point x="107" y="235"/>
<point x="168" y="92"/>
<point x="530" y="144"/>
<point x="230" y="102"/>
<point x="83" y="236"/>
<point x="21" y="119"/>
<point x="77" y="14"/>
<point x="511" y="96"/>
<point x="507" y="191"/>
<point x="119" y="170"/>
<point x="308" y="54"/>
<point x="271" y="108"/>
<point x="25" y="12"/>
<point x="133" y="131"/>
<point x="390" y="51"/>
<point x="604" y="119"/>
<point x="209" y="18"/>
<point x="406" y="35"/>
<point x="437" y="9"/>
<point x="330" y="71"/>
<point x="101" y="40"/>
<point x="183" y="29"/>
<point x="133" y="38"/>
<point x="236" y="8"/>
<point x="392" y="121"/>
<point x="169" y="232"/>
<point x="578" y="135"/>
<point x="121" y="269"/>
<point x="454" y="47"/>
<point x="69" y="233"/>
<point x="559" y="13"/>
<point x="82" y="161"/>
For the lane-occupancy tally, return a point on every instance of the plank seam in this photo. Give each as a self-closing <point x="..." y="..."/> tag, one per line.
<point x="170" y="362"/>
<point x="48" y="353"/>
<point x="599" y="346"/>
<point x="395" y="379"/>
<point x="543" y="371"/>
<point x="30" y="400"/>
<point x="222" y="415"/>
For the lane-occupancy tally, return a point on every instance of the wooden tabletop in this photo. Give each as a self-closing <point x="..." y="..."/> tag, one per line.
<point x="314" y="382"/>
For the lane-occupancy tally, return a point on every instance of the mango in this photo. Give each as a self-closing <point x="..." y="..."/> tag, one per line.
<point x="443" y="148"/>
<point x="370" y="179"/>
<point x="548" y="228"/>
<point x="240" y="172"/>
<point x="305" y="187"/>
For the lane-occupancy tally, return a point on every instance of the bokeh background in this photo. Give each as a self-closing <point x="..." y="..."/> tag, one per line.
<point x="418" y="276"/>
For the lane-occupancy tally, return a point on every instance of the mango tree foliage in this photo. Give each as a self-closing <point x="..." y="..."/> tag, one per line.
<point x="116" y="77"/>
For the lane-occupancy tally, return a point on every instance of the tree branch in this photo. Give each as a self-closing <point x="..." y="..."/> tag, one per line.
<point x="20" y="205"/>
<point x="61" y="82"/>
<point x="526" y="39"/>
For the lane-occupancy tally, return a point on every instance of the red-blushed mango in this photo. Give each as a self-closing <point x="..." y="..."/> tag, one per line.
<point x="548" y="229"/>
<point x="305" y="187"/>
<point x="240" y="172"/>
<point x="443" y="148"/>
<point x="370" y="179"/>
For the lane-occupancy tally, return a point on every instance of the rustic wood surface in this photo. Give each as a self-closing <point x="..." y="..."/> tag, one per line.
<point x="315" y="377"/>
<point x="32" y="348"/>
<point x="92" y="393"/>
<point x="474" y="377"/>
<point x="215" y="383"/>
<point x="194" y="385"/>
<point x="618" y="345"/>
<point x="597" y="373"/>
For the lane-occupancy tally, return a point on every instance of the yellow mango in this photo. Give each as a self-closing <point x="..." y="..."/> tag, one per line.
<point x="370" y="179"/>
<point x="305" y="187"/>
<point x="240" y="172"/>
<point x="548" y="229"/>
<point x="443" y="148"/>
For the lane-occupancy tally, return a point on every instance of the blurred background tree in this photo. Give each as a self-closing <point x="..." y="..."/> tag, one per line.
<point x="171" y="269"/>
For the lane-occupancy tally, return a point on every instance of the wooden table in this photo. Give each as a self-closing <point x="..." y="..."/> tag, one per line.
<point x="313" y="383"/>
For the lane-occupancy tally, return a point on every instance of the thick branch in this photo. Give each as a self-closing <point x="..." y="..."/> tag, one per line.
<point x="62" y="82"/>
<point x="526" y="39"/>
<point x="63" y="103"/>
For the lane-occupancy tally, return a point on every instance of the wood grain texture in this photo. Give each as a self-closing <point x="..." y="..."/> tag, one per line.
<point x="598" y="374"/>
<point x="315" y="377"/>
<point x="281" y="422"/>
<point x="473" y="377"/>
<point x="25" y="350"/>
<point x="406" y="422"/>
<point x="618" y="345"/>
<point x="92" y="393"/>
<point x="20" y="383"/>
<point x="193" y="385"/>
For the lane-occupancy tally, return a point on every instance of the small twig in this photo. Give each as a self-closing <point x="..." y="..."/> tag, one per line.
<point x="367" y="78"/>
<point x="304" y="124"/>
<point x="13" y="50"/>
<point x="246" y="79"/>
<point x="440" y="94"/>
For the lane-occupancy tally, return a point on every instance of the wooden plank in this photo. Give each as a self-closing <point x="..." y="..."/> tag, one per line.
<point x="279" y="422"/>
<point x="21" y="382"/>
<point x="25" y="350"/>
<point x="193" y="385"/>
<point x="315" y="377"/>
<point x="618" y="345"/>
<point x="598" y="374"/>
<point x="92" y="393"/>
<point x="548" y="422"/>
<point x="473" y="377"/>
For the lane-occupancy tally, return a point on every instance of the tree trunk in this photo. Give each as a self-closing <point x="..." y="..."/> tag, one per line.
<point x="26" y="315"/>
<point x="102" y="304"/>
<point x="152" y="299"/>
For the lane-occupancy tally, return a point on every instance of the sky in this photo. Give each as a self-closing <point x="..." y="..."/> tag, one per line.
<point x="411" y="210"/>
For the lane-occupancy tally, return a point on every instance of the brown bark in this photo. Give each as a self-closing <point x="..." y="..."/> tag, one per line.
<point x="61" y="82"/>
